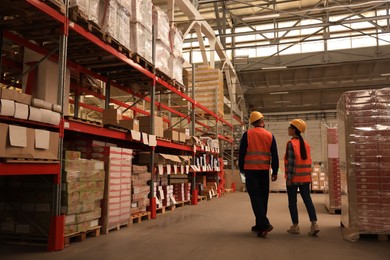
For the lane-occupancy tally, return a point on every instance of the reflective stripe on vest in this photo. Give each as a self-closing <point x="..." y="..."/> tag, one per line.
<point x="302" y="167"/>
<point x="258" y="153"/>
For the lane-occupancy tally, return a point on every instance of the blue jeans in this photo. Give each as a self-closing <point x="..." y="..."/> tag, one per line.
<point x="304" y="190"/>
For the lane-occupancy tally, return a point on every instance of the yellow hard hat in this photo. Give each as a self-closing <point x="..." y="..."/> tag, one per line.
<point x="255" y="115"/>
<point x="299" y="124"/>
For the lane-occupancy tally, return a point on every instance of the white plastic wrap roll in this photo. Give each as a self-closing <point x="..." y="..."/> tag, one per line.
<point x="7" y="107"/>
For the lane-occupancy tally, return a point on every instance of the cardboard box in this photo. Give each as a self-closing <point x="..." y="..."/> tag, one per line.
<point x="172" y="134"/>
<point x="111" y="116"/>
<point x="131" y="124"/>
<point x="21" y="111"/>
<point x="7" y="94"/>
<point x="16" y="141"/>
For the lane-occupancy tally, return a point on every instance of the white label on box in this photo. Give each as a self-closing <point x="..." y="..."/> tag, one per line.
<point x="160" y="169"/>
<point x="135" y="135"/>
<point x="145" y="138"/>
<point x="333" y="151"/>
<point x="175" y="169"/>
<point x="152" y="140"/>
<point x="169" y="169"/>
<point x="42" y="139"/>
<point x="7" y="107"/>
<point x="17" y="136"/>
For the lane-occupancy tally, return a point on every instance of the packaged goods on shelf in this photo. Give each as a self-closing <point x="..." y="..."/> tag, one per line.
<point x="141" y="41"/>
<point x="209" y="88"/>
<point x="87" y="9"/>
<point x="25" y="206"/>
<point x="46" y="87"/>
<point x="17" y="96"/>
<point x="82" y="192"/>
<point x="176" y="41"/>
<point x="115" y="21"/>
<point x="176" y="67"/>
<point x="364" y="135"/>
<point x="142" y="13"/>
<point x="161" y="24"/>
<point x="24" y="142"/>
<point x="144" y="125"/>
<point x="162" y="58"/>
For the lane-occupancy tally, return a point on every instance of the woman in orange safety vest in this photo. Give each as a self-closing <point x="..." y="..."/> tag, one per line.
<point x="298" y="176"/>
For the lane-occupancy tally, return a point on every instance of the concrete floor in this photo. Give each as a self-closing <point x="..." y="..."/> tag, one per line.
<point x="217" y="229"/>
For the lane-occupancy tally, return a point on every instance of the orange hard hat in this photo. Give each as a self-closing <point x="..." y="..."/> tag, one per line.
<point x="299" y="124"/>
<point x="255" y="115"/>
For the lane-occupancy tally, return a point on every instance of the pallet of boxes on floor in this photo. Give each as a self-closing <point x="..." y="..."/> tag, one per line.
<point x="140" y="190"/>
<point x="82" y="193"/>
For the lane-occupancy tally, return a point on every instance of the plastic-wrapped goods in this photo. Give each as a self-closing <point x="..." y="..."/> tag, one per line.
<point x="115" y="21"/>
<point x="161" y="25"/>
<point x="364" y="153"/>
<point x="162" y="58"/>
<point x="89" y="9"/>
<point x="176" y="65"/>
<point x="142" y="13"/>
<point x="176" y="41"/>
<point x="141" y="41"/>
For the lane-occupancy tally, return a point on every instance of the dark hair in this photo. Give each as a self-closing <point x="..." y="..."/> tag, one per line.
<point x="301" y="143"/>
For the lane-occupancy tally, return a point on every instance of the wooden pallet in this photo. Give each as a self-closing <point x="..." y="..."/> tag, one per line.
<point x="202" y="198"/>
<point x="142" y="62"/>
<point x="117" y="128"/>
<point x="163" y="139"/>
<point x="56" y="4"/>
<point x="229" y="190"/>
<point x="81" y="236"/>
<point x="182" y="203"/>
<point x="332" y="210"/>
<point x="138" y="217"/>
<point x="84" y="121"/>
<point x="116" y="227"/>
<point x="164" y="209"/>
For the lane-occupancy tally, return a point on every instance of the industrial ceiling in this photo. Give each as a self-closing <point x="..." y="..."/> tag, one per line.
<point x="311" y="81"/>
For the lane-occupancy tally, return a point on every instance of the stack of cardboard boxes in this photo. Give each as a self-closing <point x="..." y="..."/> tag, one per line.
<point x="364" y="137"/>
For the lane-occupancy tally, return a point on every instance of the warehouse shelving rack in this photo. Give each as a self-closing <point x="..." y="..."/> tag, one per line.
<point x="43" y="26"/>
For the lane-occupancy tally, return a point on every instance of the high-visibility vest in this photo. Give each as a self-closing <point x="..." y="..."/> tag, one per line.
<point x="302" y="167"/>
<point x="258" y="153"/>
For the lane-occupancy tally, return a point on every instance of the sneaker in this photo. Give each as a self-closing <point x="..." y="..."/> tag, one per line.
<point x="255" y="229"/>
<point x="314" y="229"/>
<point x="264" y="232"/>
<point x="294" y="229"/>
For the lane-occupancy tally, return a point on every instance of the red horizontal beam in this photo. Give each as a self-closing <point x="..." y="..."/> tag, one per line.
<point x="8" y="169"/>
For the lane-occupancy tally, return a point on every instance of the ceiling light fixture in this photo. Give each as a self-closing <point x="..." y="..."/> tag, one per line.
<point x="259" y="17"/>
<point x="385" y="74"/>
<point x="274" y="68"/>
<point x="279" y="93"/>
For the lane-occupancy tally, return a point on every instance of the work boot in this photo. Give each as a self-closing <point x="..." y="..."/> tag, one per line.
<point x="255" y="229"/>
<point x="294" y="229"/>
<point x="314" y="229"/>
<point x="263" y="233"/>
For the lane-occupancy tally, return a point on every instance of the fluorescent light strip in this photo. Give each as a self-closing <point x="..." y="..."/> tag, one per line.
<point x="282" y="101"/>
<point x="279" y="93"/>
<point x="274" y="68"/>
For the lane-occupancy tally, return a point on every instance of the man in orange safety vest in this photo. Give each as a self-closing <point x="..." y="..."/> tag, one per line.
<point x="258" y="153"/>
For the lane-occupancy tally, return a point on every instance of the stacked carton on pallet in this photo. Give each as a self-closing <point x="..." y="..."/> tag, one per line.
<point x="117" y="200"/>
<point x="140" y="189"/>
<point x="364" y="137"/>
<point x="332" y="187"/>
<point x="161" y="23"/>
<point x="83" y="190"/>
<point x="141" y="28"/>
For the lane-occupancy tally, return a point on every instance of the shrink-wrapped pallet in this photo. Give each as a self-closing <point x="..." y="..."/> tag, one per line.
<point x="176" y="41"/>
<point x="364" y="135"/>
<point x="142" y="13"/>
<point x="161" y="25"/>
<point x="141" y="41"/>
<point x="176" y="67"/>
<point x="162" y="58"/>
<point x="88" y="9"/>
<point x="115" y="21"/>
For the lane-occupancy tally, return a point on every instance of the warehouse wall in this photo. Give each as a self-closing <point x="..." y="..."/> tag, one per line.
<point x="315" y="135"/>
